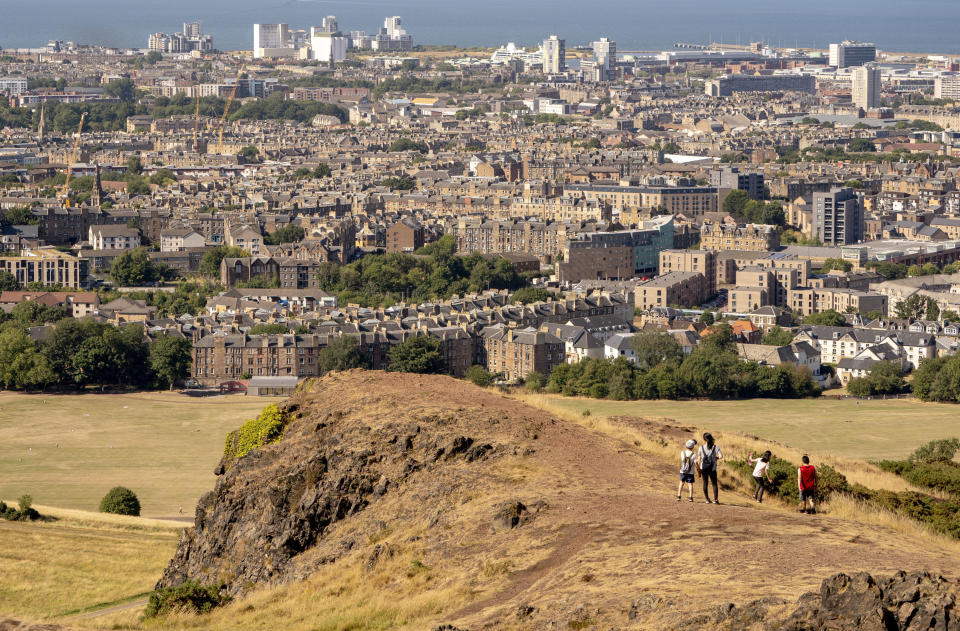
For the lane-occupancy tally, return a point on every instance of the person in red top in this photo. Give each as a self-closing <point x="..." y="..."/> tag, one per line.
<point x="807" y="482"/>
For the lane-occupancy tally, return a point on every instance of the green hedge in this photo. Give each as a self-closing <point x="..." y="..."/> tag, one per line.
<point x="120" y="501"/>
<point x="255" y="433"/>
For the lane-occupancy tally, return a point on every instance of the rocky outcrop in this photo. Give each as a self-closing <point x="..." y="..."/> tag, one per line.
<point x="277" y="501"/>
<point x="858" y="602"/>
<point x="903" y="602"/>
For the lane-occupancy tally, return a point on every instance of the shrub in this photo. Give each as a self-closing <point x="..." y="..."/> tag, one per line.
<point x="189" y="596"/>
<point x="255" y="433"/>
<point x="784" y="475"/>
<point x="120" y="501"/>
<point x="480" y="376"/>
<point x="536" y="382"/>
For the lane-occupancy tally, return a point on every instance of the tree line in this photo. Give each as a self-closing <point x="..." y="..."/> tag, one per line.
<point x="81" y="353"/>
<point x="662" y="371"/>
<point x="435" y="273"/>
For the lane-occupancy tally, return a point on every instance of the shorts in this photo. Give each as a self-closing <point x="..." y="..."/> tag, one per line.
<point x="808" y="494"/>
<point x="687" y="477"/>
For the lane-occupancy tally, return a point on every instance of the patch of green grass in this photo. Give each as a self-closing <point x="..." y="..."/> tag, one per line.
<point x="872" y="430"/>
<point x="69" y="450"/>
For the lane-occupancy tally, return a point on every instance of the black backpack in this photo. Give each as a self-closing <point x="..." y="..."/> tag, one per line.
<point x="709" y="461"/>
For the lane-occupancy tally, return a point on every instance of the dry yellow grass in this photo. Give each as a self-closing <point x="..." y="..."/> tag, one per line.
<point x="68" y="450"/>
<point x="80" y="560"/>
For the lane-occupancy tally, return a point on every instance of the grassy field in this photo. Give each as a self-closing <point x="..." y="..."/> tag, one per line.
<point x="53" y="569"/>
<point x="164" y="446"/>
<point x="870" y="430"/>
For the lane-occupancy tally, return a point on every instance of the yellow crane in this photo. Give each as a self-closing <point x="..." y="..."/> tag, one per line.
<point x="226" y="110"/>
<point x="73" y="158"/>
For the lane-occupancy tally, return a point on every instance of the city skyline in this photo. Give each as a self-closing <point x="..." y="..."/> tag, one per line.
<point x="928" y="28"/>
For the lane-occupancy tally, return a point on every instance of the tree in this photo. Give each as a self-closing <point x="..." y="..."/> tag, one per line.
<point x="420" y="354"/>
<point x="210" y="263"/>
<point x="122" y="89"/>
<point x="405" y="144"/>
<point x="250" y="152"/>
<point x="735" y="202"/>
<point x="862" y="145"/>
<point x="342" y="353"/>
<point x="152" y="57"/>
<point x="163" y="176"/>
<point x="290" y="233"/>
<point x="653" y="347"/>
<point x="269" y="329"/>
<point x="836" y="264"/>
<point x="707" y="318"/>
<point x="402" y="183"/>
<point x="526" y="295"/>
<point x="480" y="376"/>
<point x="913" y="307"/>
<point x="133" y="268"/>
<point x="535" y="381"/>
<point x="884" y="378"/>
<point x="322" y="171"/>
<point x="120" y="501"/>
<point x="776" y="336"/>
<point x="830" y="317"/>
<point x="170" y="359"/>
<point x="134" y="166"/>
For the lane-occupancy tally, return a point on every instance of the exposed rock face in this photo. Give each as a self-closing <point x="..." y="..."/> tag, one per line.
<point x="277" y="501"/>
<point x="903" y="602"/>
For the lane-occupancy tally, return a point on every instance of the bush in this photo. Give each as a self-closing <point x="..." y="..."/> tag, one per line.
<point x="535" y="382"/>
<point x="480" y="376"/>
<point x="120" y="501"/>
<point x="25" y="513"/>
<point x="255" y="433"/>
<point x="190" y="596"/>
<point x="784" y="475"/>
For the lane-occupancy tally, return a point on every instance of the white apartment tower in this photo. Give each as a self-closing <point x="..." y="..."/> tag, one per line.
<point x="193" y="30"/>
<point x="866" y="87"/>
<point x="327" y="46"/>
<point x="605" y="54"/>
<point x="268" y="37"/>
<point x="847" y="54"/>
<point x="394" y="27"/>
<point x="554" y="55"/>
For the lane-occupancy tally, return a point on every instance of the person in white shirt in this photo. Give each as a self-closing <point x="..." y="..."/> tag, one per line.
<point x="708" y="459"/>
<point x="687" y="467"/>
<point x="761" y="473"/>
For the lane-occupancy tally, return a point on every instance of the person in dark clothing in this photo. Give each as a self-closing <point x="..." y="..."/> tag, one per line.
<point x="708" y="458"/>
<point x="761" y="473"/>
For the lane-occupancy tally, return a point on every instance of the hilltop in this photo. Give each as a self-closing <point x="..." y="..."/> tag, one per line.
<point x="398" y="500"/>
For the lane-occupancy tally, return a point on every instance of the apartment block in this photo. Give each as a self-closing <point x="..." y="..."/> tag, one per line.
<point x="617" y="255"/>
<point x="406" y="235"/>
<point x="683" y="289"/>
<point x="727" y="236"/>
<point x="838" y="217"/>
<point x="697" y="261"/>
<point x="515" y="354"/>
<point x="290" y="273"/>
<point x="48" y="266"/>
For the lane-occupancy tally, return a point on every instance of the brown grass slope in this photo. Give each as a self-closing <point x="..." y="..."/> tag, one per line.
<point x="373" y="512"/>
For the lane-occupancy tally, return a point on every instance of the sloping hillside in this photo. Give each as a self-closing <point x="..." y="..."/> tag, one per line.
<point x="404" y="501"/>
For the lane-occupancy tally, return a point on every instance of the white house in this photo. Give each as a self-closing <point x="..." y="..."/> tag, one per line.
<point x="113" y="238"/>
<point x="618" y="345"/>
<point x="180" y="239"/>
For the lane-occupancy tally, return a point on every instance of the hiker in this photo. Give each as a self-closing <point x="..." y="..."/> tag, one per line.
<point x="761" y="472"/>
<point x="708" y="457"/>
<point x="687" y="467"/>
<point x="807" y="483"/>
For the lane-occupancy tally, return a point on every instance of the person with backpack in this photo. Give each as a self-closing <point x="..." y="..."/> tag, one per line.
<point x="687" y="466"/>
<point x="807" y="482"/>
<point x="708" y="457"/>
<point x="761" y="473"/>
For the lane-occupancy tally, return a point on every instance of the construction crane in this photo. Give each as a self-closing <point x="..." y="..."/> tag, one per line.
<point x="73" y="159"/>
<point x="226" y="110"/>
